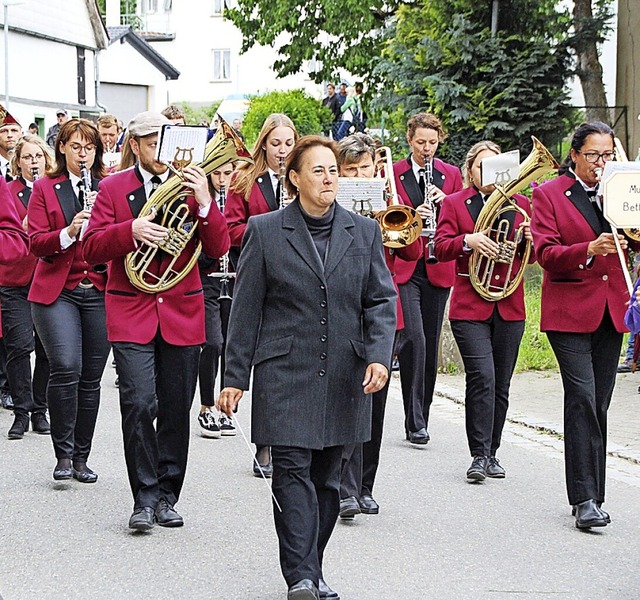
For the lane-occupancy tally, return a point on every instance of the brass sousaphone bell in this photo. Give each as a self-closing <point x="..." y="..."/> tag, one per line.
<point x="223" y="148"/>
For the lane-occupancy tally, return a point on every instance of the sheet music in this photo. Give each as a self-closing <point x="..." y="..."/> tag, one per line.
<point x="361" y="195"/>
<point x="501" y="168"/>
<point x="181" y="138"/>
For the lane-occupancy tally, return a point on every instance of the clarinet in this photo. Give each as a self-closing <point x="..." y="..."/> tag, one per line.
<point x="85" y="177"/>
<point x="284" y="196"/>
<point x="429" y="229"/>
<point x="35" y="174"/>
<point x="224" y="274"/>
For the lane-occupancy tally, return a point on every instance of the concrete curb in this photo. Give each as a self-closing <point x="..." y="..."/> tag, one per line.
<point x="546" y="427"/>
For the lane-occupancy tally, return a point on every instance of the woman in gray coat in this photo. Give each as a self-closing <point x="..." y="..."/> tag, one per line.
<point x="314" y="315"/>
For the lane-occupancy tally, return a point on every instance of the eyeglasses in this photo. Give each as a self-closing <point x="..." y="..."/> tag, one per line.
<point x="30" y="158"/>
<point x="77" y="148"/>
<point x="594" y="157"/>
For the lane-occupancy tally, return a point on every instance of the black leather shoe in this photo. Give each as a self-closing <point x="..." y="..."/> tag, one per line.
<point x="63" y="470"/>
<point x="589" y="515"/>
<point x="605" y="514"/>
<point x="39" y="423"/>
<point x="142" y="519"/>
<point x="19" y="427"/>
<point x="349" y="507"/>
<point x="326" y="592"/>
<point x="84" y="474"/>
<point x="478" y="469"/>
<point x="494" y="469"/>
<point x="267" y="470"/>
<point x="303" y="590"/>
<point x="167" y="516"/>
<point x="419" y="437"/>
<point x="368" y="505"/>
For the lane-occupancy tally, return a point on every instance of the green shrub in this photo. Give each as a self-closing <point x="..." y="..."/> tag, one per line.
<point x="307" y="113"/>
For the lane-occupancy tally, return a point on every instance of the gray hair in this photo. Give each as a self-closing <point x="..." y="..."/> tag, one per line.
<point x="351" y="148"/>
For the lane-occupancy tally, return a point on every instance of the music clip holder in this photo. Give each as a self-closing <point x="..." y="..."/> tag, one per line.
<point x="500" y="169"/>
<point x="181" y="145"/>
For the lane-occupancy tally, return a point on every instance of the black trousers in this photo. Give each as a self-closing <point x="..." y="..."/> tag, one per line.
<point x="157" y="381"/>
<point x="74" y="335"/>
<point x="360" y="461"/>
<point x="4" y="380"/>
<point x="588" y="364"/>
<point x="423" y="307"/>
<point x="20" y="342"/>
<point x="489" y="351"/>
<point x="216" y="311"/>
<point x="306" y="484"/>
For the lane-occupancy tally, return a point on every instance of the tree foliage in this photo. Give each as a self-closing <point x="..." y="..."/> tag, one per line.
<point x="336" y="35"/>
<point x="442" y="57"/>
<point x="307" y="114"/>
<point x="195" y="115"/>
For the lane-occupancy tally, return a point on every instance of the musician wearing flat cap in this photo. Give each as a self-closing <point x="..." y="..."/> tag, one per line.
<point x="156" y="335"/>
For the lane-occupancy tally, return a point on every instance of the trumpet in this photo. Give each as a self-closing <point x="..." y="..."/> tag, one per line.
<point x="224" y="274"/>
<point x="429" y="227"/>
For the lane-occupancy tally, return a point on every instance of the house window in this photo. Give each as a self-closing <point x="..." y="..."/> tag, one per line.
<point x="218" y="7"/>
<point x="152" y="6"/>
<point x="221" y="65"/>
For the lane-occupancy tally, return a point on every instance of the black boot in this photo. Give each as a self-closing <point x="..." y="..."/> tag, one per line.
<point x="19" y="427"/>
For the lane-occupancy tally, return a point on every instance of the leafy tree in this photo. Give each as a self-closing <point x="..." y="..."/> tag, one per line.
<point x="195" y="115"/>
<point x="442" y="57"/>
<point x="307" y="114"/>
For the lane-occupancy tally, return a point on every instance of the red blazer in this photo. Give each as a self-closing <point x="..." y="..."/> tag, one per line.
<point x="52" y="207"/>
<point x="574" y="294"/>
<point x="20" y="272"/>
<point x="448" y="178"/>
<point x="458" y="215"/>
<point x="237" y="210"/>
<point x="132" y="315"/>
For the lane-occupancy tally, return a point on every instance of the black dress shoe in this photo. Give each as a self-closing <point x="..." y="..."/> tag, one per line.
<point x="39" y="423"/>
<point x="267" y="470"/>
<point x="167" y="516"/>
<point x="63" y="470"/>
<point x="19" y="428"/>
<point x="326" y="592"/>
<point x="589" y="515"/>
<point x="349" y="507"/>
<point x="478" y="469"/>
<point x="419" y="437"/>
<point x="84" y="474"/>
<point x="368" y="505"/>
<point x="141" y="519"/>
<point x="495" y="469"/>
<point x="303" y="590"/>
<point x="605" y="514"/>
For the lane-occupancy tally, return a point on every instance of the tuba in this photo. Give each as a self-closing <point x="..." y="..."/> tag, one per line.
<point x="224" y="147"/>
<point x="401" y="225"/>
<point x="481" y="268"/>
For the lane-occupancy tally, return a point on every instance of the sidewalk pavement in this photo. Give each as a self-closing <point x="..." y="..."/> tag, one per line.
<point x="536" y="400"/>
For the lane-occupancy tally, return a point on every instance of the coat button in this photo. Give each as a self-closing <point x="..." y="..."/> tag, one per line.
<point x="131" y="197"/>
<point x="580" y="266"/>
<point x="323" y="356"/>
<point x="567" y="193"/>
<point x="323" y="303"/>
<point x="322" y="373"/>
<point x="323" y="338"/>
<point x="323" y="321"/>
<point x="322" y="286"/>
<point x="605" y="277"/>
<point x="160" y="300"/>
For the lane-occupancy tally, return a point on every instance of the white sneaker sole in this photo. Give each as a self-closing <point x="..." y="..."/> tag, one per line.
<point x="209" y="434"/>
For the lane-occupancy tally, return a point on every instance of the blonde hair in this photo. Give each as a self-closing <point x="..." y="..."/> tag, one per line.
<point x="473" y="153"/>
<point x="16" y="169"/>
<point x="247" y="173"/>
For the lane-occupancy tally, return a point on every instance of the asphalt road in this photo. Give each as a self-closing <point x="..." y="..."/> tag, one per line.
<point x="436" y="535"/>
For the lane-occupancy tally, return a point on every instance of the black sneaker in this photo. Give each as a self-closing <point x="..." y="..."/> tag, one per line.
<point x="494" y="469"/>
<point x="625" y="366"/>
<point x="19" y="427"/>
<point x="226" y="425"/>
<point x="208" y="426"/>
<point x="478" y="469"/>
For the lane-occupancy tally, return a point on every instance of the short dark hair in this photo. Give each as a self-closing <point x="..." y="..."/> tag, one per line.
<point x="579" y="139"/>
<point x="427" y="121"/>
<point x="296" y="156"/>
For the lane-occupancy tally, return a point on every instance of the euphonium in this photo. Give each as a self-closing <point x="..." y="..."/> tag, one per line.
<point x="400" y="224"/>
<point x="481" y="268"/>
<point x="224" y="147"/>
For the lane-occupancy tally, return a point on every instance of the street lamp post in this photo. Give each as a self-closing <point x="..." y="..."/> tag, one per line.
<point x="7" y="4"/>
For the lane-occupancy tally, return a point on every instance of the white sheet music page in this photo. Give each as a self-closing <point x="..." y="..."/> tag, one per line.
<point x="361" y="195"/>
<point x="182" y="142"/>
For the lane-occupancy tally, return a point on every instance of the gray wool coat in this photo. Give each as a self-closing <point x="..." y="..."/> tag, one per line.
<point x="309" y="331"/>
